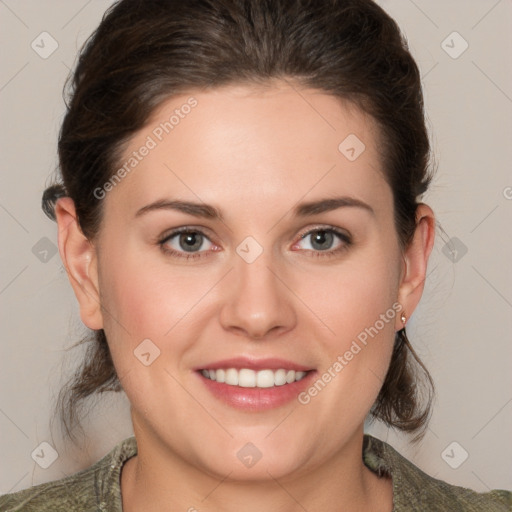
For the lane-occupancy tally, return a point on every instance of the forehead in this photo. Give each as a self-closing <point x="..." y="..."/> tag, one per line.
<point x="241" y="144"/>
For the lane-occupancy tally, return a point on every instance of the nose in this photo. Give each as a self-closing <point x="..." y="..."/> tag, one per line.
<point x="258" y="303"/>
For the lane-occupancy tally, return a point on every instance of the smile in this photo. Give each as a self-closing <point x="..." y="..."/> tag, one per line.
<point x="248" y="378"/>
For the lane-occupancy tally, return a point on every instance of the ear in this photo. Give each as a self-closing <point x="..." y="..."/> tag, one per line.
<point x="415" y="262"/>
<point x="79" y="257"/>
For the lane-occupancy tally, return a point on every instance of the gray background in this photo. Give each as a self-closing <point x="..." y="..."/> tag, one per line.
<point x="463" y="326"/>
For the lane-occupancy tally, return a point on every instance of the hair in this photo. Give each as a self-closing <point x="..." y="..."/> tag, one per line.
<point x="145" y="51"/>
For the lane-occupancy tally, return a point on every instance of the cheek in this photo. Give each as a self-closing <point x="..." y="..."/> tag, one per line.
<point x="145" y="299"/>
<point x="358" y="304"/>
<point x="141" y="292"/>
<point x="355" y="295"/>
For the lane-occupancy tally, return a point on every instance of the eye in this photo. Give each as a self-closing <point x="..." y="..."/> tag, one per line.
<point x="324" y="240"/>
<point x="186" y="242"/>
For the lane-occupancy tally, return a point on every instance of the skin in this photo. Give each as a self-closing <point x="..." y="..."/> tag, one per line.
<point x="254" y="153"/>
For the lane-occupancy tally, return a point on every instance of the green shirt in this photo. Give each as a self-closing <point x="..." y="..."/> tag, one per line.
<point x="97" y="488"/>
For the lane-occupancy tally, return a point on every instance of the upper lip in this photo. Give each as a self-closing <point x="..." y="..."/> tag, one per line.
<point x="255" y="364"/>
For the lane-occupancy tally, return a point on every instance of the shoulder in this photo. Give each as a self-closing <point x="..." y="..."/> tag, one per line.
<point x="95" y="488"/>
<point x="415" y="491"/>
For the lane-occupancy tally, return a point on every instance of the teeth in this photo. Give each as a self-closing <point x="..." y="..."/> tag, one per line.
<point x="247" y="378"/>
<point x="265" y="379"/>
<point x="231" y="377"/>
<point x="280" y="377"/>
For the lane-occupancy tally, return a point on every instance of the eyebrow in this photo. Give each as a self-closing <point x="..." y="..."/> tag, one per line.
<point x="326" y="205"/>
<point x="210" y="212"/>
<point x="195" y="209"/>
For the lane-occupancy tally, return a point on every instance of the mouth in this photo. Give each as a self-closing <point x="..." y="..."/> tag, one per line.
<point x="249" y="378"/>
<point x="255" y="385"/>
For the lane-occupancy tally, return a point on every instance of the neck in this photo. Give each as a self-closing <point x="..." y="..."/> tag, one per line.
<point x="157" y="479"/>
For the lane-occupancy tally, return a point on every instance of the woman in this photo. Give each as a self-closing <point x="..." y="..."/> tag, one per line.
<point x="240" y="220"/>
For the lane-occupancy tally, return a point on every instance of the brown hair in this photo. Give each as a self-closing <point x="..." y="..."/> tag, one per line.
<point x="145" y="51"/>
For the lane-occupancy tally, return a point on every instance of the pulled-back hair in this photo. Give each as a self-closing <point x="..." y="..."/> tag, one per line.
<point x="145" y="51"/>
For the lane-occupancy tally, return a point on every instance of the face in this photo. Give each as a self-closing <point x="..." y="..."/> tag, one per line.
<point x="245" y="244"/>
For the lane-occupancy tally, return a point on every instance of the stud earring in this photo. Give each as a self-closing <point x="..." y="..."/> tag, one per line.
<point x="403" y="318"/>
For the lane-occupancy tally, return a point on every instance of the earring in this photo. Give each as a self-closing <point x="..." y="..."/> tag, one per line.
<point x="403" y="318"/>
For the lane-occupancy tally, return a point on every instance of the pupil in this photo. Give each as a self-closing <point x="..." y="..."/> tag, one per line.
<point x="323" y="238"/>
<point x="190" y="241"/>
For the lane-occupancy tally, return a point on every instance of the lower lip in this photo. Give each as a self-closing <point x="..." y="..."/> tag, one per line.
<point x="257" y="399"/>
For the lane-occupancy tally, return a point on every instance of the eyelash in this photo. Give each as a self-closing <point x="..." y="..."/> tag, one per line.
<point x="343" y="237"/>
